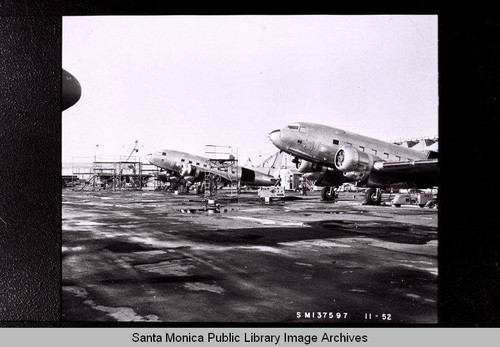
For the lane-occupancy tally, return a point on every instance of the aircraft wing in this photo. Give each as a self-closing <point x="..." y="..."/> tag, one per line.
<point x="406" y="167"/>
<point x="223" y="174"/>
<point x="420" y="173"/>
<point x="216" y="171"/>
<point x="247" y="176"/>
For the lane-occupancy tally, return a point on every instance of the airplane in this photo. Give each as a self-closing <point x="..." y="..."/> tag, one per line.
<point x="181" y="166"/>
<point x="332" y="156"/>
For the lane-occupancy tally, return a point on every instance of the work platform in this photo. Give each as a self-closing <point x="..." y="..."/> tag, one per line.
<point x="223" y="159"/>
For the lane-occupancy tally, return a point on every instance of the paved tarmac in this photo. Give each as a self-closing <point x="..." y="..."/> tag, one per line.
<point x="155" y="256"/>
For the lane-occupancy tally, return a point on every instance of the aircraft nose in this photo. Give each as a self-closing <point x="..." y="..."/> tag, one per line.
<point x="149" y="157"/>
<point x="274" y="136"/>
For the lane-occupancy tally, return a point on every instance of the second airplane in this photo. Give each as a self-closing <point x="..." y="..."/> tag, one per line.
<point x="192" y="168"/>
<point x="331" y="156"/>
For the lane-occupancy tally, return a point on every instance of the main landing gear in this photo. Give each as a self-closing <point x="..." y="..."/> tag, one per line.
<point x="328" y="194"/>
<point x="373" y="196"/>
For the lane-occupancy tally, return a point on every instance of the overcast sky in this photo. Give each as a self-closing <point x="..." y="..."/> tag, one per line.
<point x="181" y="82"/>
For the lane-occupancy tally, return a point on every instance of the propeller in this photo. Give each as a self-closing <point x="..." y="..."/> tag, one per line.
<point x="340" y="158"/>
<point x="297" y="162"/>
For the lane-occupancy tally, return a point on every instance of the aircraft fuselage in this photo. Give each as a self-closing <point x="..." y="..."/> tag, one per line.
<point x="319" y="143"/>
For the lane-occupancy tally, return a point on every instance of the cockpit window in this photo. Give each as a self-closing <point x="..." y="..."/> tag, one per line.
<point x="293" y="127"/>
<point x="164" y="153"/>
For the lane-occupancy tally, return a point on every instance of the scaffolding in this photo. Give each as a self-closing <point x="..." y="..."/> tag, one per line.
<point x="123" y="172"/>
<point x="150" y="170"/>
<point x="114" y="175"/>
<point x="223" y="159"/>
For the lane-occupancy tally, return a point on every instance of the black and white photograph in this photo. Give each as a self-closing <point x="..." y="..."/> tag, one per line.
<point x="250" y="169"/>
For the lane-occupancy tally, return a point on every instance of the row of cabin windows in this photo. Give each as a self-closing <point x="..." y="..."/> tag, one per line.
<point x="362" y="148"/>
<point x="190" y="162"/>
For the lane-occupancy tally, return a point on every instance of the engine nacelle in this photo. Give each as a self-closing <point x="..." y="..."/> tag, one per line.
<point x="349" y="158"/>
<point x="188" y="170"/>
<point x="313" y="176"/>
<point x="173" y="179"/>
<point x="307" y="166"/>
<point x="189" y="180"/>
<point x="358" y="176"/>
<point x="326" y="177"/>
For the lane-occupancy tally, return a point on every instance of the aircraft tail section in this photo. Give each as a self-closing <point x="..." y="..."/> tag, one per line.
<point x="276" y="166"/>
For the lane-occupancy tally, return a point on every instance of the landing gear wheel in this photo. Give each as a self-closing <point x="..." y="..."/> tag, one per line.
<point x="373" y="196"/>
<point x="328" y="194"/>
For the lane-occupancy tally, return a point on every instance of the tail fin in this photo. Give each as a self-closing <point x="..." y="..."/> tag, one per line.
<point x="276" y="166"/>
